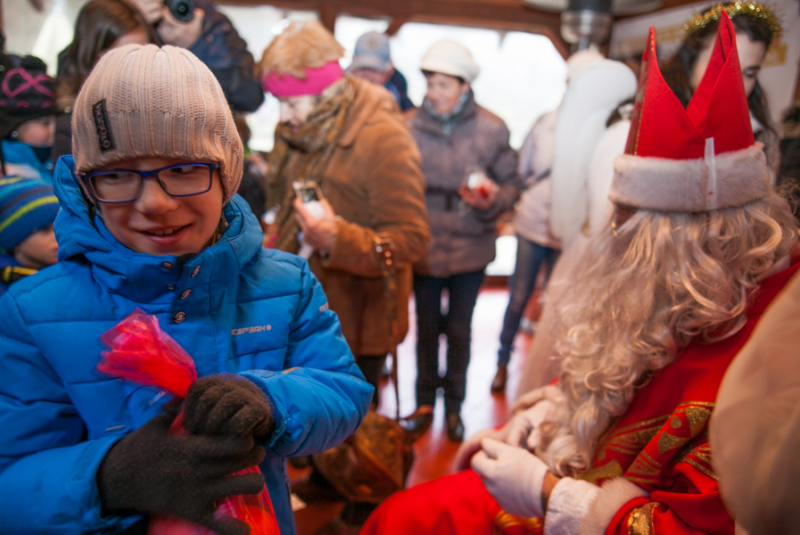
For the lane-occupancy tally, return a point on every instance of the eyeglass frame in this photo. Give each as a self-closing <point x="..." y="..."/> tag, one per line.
<point x="87" y="179"/>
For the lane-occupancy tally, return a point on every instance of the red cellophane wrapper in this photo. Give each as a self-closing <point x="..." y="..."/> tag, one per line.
<point x="143" y="353"/>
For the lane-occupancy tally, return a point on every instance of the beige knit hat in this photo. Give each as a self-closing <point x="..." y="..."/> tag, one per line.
<point x="146" y="102"/>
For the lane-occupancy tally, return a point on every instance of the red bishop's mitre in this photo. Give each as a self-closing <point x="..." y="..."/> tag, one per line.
<point x="698" y="159"/>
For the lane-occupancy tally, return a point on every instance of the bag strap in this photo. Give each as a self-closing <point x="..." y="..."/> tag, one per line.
<point x="384" y="247"/>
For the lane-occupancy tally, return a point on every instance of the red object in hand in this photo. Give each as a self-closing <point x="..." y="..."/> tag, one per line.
<point x="143" y="353"/>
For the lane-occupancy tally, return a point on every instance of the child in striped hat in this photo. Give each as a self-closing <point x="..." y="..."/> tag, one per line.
<point x="27" y="241"/>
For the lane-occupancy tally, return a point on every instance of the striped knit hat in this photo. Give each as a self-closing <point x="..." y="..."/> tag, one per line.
<point x="27" y="205"/>
<point x="151" y="102"/>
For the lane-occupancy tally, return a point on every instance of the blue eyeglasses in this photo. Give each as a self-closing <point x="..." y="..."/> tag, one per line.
<point x="117" y="186"/>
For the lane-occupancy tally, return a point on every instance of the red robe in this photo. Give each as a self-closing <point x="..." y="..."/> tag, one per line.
<point x="660" y="443"/>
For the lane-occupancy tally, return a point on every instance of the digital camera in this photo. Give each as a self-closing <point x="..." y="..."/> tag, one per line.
<point x="183" y="10"/>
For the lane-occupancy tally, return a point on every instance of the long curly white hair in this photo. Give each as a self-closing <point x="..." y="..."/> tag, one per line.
<point x="663" y="280"/>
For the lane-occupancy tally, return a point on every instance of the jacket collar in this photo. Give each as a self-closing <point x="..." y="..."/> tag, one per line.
<point x="369" y="98"/>
<point x="425" y="122"/>
<point x="147" y="278"/>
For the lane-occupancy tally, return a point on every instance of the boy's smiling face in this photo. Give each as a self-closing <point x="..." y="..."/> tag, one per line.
<point x="159" y="224"/>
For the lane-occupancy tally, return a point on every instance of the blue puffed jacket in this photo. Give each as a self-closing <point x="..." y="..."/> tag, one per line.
<point x="235" y="307"/>
<point x="21" y="160"/>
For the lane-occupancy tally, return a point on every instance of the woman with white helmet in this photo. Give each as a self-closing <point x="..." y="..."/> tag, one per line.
<point x="471" y="176"/>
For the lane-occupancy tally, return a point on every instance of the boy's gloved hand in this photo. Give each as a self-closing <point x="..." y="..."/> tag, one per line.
<point x="227" y="404"/>
<point x="153" y="471"/>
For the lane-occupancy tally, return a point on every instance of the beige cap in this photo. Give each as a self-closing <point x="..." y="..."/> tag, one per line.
<point x="451" y="58"/>
<point x="151" y="102"/>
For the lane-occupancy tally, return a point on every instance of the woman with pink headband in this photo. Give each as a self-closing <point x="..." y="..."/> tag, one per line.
<point x="347" y="137"/>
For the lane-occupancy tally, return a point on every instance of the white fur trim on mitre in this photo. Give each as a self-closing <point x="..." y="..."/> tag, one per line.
<point x="666" y="185"/>
<point x="613" y="495"/>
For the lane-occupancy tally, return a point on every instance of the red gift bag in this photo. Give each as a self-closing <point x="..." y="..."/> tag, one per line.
<point x="142" y="352"/>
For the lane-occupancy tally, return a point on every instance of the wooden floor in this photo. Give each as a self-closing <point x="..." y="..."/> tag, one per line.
<point x="481" y="409"/>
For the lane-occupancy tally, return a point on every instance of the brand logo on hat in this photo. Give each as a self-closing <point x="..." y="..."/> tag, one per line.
<point x="101" y="123"/>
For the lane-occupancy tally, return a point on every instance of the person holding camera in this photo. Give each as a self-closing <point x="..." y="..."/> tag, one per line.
<point x="102" y="25"/>
<point x="209" y="35"/>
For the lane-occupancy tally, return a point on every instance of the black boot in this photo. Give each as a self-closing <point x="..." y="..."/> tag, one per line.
<point x="455" y="427"/>
<point x="499" y="381"/>
<point x="418" y="422"/>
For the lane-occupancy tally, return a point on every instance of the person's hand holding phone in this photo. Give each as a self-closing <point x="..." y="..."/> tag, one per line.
<point x="177" y="33"/>
<point x="320" y="233"/>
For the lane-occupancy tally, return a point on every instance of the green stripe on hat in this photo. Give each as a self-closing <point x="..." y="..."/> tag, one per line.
<point x="51" y="199"/>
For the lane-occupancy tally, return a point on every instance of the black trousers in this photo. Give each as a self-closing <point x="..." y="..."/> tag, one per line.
<point x="455" y="325"/>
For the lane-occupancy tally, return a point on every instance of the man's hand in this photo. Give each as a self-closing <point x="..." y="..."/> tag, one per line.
<point x="150" y="9"/>
<point x="318" y="233"/>
<point x="472" y="445"/>
<point x="529" y="399"/>
<point x="480" y="198"/>
<point x="512" y="476"/>
<point x="177" y="33"/>
<point x="525" y="427"/>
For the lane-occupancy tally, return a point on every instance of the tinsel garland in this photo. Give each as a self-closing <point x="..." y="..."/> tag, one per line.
<point x="734" y="9"/>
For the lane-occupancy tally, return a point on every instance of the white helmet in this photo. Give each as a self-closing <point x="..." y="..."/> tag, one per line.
<point x="451" y="58"/>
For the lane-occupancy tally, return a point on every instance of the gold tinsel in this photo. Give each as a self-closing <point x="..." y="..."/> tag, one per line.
<point x="734" y="9"/>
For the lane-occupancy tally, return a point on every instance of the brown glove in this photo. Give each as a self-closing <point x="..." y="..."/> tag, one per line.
<point x="153" y="471"/>
<point x="227" y="404"/>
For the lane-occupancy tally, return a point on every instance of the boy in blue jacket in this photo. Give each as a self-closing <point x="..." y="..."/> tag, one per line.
<point x="149" y="219"/>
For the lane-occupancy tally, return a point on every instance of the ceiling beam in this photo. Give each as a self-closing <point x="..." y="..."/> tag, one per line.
<point x="507" y="15"/>
<point x="504" y="15"/>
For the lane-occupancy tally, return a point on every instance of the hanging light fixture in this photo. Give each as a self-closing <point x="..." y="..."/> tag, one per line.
<point x="588" y="22"/>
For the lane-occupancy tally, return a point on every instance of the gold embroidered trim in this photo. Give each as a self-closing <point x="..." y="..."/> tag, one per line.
<point x="703" y="469"/>
<point x="647" y="468"/>
<point x="701" y="461"/>
<point x="640" y="521"/>
<point x="531" y="526"/>
<point x="631" y="439"/>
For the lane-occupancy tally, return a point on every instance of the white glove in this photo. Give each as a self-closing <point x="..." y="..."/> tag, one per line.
<point x="472" y="445"/>
<point x="512" y="476"/>
<point x="524" y="428"/>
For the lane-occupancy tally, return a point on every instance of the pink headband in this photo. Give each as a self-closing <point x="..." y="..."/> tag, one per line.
<point x="315" y="83"/>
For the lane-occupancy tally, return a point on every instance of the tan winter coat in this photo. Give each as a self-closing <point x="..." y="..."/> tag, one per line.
<point x="375" y="185"/>
<point x="463" y="240"/>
